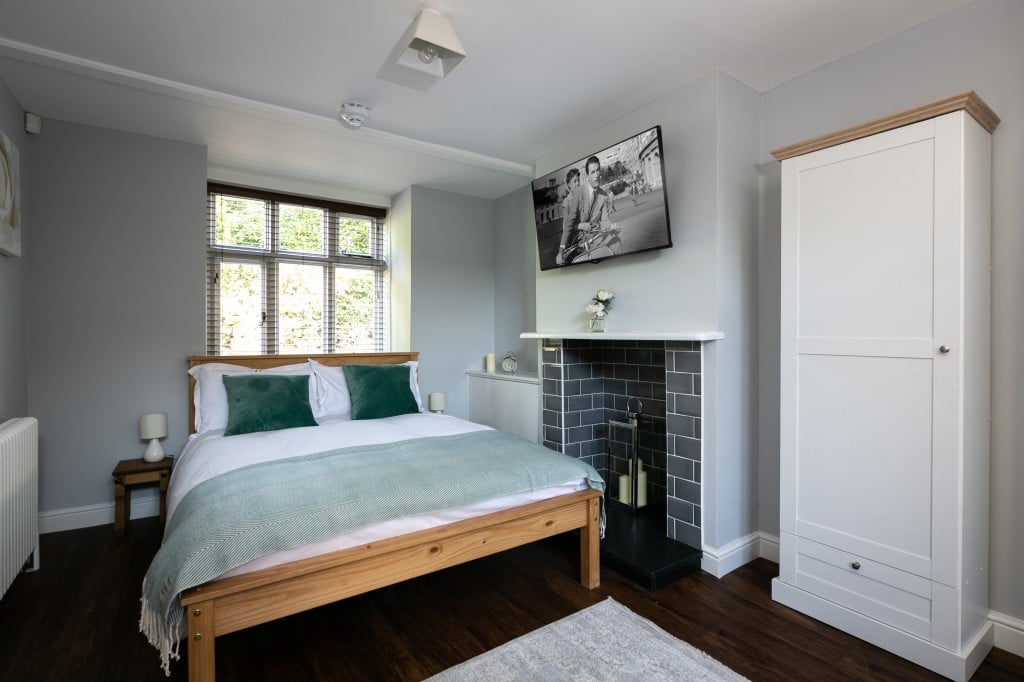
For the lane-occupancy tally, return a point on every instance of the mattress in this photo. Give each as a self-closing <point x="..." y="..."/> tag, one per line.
<point x="211" y="454"/>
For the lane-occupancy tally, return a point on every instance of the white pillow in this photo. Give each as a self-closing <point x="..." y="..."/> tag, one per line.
<point x="414" y="381"/>
<point x="300" y="368"/>
<point x="332" y="402"/>
<point x="211" y="398"/>
<point x="332" y="399"/>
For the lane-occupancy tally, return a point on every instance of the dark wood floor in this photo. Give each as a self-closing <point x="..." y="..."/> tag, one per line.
<point x="77" y="619"/>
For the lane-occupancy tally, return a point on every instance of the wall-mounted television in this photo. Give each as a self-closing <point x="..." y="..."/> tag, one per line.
<point x="609" y="203"/>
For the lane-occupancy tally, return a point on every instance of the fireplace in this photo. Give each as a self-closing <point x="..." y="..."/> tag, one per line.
<point x="585" y="383"/>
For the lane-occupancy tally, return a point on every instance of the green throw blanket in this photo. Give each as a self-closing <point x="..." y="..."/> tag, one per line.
<point x="242" y="515"/>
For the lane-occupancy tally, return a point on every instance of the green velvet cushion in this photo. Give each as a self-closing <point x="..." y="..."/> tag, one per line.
<point x="379" y="391"/>
<point x="267" y="402"/>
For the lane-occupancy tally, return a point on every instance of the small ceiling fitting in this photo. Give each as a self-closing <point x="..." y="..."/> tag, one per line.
<point x="430" y="45"/>
<point x="354" y="114"/>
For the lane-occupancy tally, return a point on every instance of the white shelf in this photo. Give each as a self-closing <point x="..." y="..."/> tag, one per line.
<point x="521" y="377"/>
<point x="628" y="336"/>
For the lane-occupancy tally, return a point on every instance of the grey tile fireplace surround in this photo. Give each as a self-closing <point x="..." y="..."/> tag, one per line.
<point x="586" y="382"/>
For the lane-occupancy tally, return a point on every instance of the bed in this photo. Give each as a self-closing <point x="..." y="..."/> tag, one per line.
<point x="297" y="579"/>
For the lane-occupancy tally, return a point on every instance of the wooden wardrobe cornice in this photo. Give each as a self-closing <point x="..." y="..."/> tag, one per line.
<point x="967" y="101"/>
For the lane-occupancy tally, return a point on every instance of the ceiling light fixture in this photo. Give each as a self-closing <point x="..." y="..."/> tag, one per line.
<point x="430" y="45"/>
<point x="354" y="114"/>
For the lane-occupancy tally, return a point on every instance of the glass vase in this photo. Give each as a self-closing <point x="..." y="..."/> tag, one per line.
<point x="596" y="324"/>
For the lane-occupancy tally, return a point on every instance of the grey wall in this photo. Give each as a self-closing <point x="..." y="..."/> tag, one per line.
<point x="452" y="288"/>
<point x="515" y="289"/>
<point x="115" y="299"/>
<point x="707" y="281"/>
<point x="977" y="47"/>
<point x="769" y="329"/>
<point x="13" y="378"/>
<point x="684" y="274"/>
<point x="730" y="484"/>
<point x="400" y="269"/>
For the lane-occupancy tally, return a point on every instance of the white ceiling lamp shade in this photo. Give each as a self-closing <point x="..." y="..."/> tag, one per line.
<point x="430" y="45"/>
<point x="354" y="114"/>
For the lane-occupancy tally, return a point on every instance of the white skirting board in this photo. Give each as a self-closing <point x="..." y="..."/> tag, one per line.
<point x="719" y="561"/>
<point x="1009" y="632"/>
<point x="93" y="515"/>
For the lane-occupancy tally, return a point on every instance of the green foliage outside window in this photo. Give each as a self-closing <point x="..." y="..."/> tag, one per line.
<point x="354" y="303"/>
<point x="300" y="299"/>
<point x="241" y="305"/>
<point x="302" y="309"/>
<point x="240" y="222"/>
<point x="354" y="236"/>
<point x="302" y="229"/>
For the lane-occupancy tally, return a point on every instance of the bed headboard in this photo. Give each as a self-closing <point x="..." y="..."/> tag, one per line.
<point x="270" y="361"/>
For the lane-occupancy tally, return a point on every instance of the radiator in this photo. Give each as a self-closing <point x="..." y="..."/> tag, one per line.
<point x="19" y="498"/>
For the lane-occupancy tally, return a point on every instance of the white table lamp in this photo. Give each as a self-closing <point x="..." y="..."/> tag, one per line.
<point x="438" y="402"/>
<point x="153" y="427"/>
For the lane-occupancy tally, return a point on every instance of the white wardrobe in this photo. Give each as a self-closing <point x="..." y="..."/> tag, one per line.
<point x="884" y="399"/>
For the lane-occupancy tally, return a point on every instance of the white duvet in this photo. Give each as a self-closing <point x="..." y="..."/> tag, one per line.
<point x="211" y="454"/>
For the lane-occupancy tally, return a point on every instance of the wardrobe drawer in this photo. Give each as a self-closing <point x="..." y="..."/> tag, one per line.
<point x="889" y="595"/>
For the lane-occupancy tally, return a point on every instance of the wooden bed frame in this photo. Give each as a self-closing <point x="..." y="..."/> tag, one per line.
<point x="230" y="604"/>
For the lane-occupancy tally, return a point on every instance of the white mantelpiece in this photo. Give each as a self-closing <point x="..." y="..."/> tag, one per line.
<point x="628" y="336"/>
<point x="522" y="377"/>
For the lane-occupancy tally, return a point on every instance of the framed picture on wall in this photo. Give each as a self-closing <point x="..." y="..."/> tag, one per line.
<point x="10" y="198"/>
<point x="609" y="203"/>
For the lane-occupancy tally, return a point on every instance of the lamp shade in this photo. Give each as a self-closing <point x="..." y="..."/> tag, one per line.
<point x="430" y="45"/>
<point x="153" y="426"/>
<point x="438" y="402"/>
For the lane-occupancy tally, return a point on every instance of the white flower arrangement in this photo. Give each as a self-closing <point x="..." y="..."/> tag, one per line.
<point x="602" y="304"/>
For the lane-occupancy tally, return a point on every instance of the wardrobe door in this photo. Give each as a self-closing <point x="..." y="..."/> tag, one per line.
<point x="863" y="308"/>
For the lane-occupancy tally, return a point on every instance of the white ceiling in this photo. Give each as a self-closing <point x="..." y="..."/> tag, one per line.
<point x="260" y="82"/>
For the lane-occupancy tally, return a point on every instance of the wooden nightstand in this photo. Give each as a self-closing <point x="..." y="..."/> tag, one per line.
<point x="132" y="472"/>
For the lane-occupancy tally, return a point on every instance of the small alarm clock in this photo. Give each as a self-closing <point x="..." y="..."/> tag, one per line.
<point x="509" y="364"/>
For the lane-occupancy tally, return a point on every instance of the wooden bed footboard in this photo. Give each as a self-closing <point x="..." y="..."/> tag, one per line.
<point x="230" y="604"/>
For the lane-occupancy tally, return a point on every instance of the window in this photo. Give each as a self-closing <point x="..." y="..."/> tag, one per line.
<point x="292" y="274"/>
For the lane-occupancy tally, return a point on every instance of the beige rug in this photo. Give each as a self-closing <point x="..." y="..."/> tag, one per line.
<point x="604" y="642"/>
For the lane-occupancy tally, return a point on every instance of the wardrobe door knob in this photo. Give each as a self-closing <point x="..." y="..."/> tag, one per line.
<point x="855" y="565"/>
<point x="943" y="349"/>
